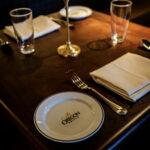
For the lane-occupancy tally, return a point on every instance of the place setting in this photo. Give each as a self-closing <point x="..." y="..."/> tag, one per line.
<point x="80" y="116"/>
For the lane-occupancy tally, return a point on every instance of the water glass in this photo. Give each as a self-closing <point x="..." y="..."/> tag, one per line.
<point x="23" y="28"/>
<point x="120" y="11"/>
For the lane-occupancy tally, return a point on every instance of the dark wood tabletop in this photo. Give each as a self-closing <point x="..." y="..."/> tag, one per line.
<point x="25" y="81"/>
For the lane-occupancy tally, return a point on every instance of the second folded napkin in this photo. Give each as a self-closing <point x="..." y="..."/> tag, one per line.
<point x="128" y="76"/>
<point x="42" y="25"/>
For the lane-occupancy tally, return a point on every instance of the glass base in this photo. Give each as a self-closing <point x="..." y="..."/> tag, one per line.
<point x="117" y="38"/>
<point x="68" y="51"/>
<point x="27" y="49"/>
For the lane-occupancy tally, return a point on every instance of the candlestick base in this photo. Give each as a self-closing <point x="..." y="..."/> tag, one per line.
<point x="68" y="50"/>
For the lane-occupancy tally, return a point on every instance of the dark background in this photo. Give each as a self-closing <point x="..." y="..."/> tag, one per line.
<point x="140" y="9"/>
<point x="43" y="7"/>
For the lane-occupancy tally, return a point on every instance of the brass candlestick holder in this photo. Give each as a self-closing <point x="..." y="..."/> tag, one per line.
<point x="68" y="49"/>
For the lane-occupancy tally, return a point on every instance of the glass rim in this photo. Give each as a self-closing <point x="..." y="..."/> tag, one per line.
<point x="129" y="3"/>
<point x="21" y="15"/>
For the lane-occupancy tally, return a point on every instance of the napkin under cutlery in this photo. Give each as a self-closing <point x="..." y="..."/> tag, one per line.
<point x="42" y="25"/>
<point x="128" y="76"/>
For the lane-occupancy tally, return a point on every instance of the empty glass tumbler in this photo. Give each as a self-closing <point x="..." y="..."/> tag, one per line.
<point x="23" y="28"/>
<point x="120" y="11"/>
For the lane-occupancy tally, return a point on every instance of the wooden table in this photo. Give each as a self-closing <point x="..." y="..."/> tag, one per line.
<point x="26" y="80"/>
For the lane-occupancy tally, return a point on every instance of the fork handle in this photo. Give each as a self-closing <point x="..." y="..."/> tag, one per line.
<point x="115" y="107"/>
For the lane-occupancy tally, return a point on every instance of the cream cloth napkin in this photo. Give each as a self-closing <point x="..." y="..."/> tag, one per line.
<point x="42" y="25"/>
<point x="128" y="76"/>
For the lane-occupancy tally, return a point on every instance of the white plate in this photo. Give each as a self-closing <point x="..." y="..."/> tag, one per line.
<point x="76" y="12"/>
<point x="69" y="117"/>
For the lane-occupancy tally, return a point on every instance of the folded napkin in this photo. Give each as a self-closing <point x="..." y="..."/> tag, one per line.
<point x="128" y="76"/>
<point x="42" y="25"/>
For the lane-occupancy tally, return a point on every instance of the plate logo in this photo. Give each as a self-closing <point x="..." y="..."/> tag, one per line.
<point x="70" y="117"/>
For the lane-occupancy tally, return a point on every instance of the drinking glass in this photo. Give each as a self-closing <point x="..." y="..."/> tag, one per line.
<point x="120" y="11"/>
<point x="23" y="28"/>
<point x="68" y="49"/>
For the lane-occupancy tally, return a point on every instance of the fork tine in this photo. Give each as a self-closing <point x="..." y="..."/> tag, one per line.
<point x="78" y="81"/>
<point x="75" y="80"/>
<point x="77" y="77"/>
